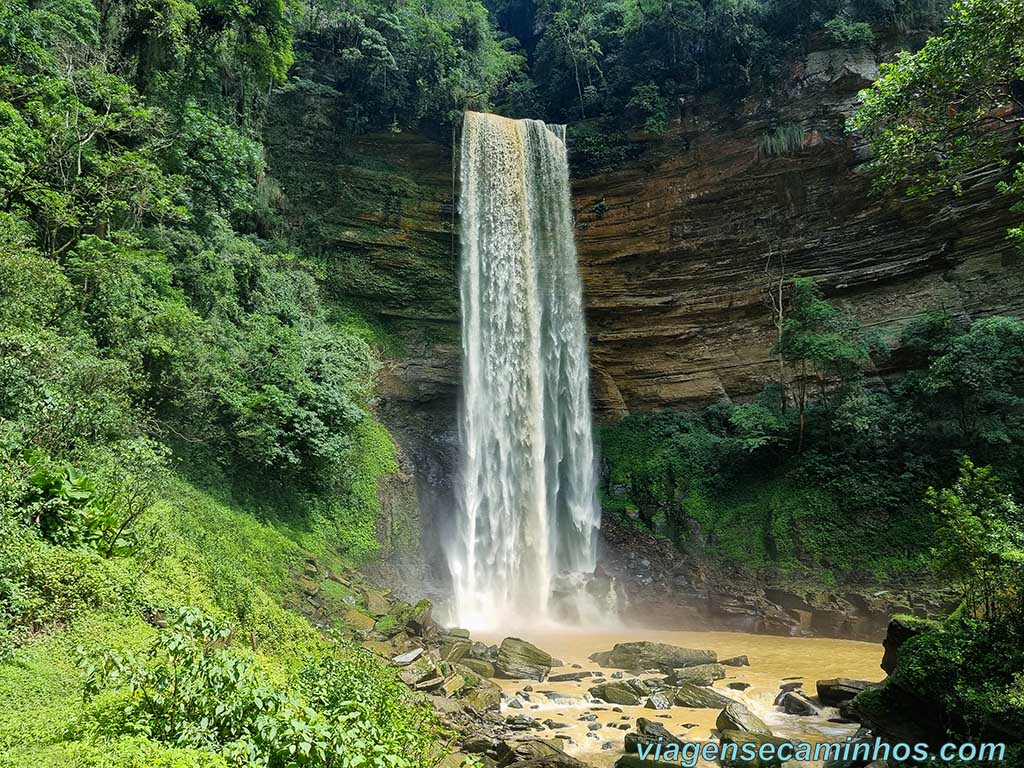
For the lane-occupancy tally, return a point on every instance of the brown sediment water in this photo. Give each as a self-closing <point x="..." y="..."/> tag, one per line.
<point x="773" y="661"/>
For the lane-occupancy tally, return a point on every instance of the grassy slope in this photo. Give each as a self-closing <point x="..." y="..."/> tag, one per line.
<point x="202" y="551"/>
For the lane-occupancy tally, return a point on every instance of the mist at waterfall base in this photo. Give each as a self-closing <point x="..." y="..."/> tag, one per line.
<point x="523" y="551"/>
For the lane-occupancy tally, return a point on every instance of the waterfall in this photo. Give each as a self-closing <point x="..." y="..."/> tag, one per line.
<point x="528" y="514"/>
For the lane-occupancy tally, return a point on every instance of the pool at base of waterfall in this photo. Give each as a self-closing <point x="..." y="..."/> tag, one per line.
<point x="773" y="662"/>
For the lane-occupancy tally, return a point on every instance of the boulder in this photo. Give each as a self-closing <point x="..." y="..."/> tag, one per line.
<point x="481" y="667"/>
<point x="520" y="660"/>
<point x="647" y="655"/>
<point x="408" y="657"/>
<point x="795" y="703"/>
<point x="701" y="674"/>
<point x="697" y="697"/>
<point x="359" y="620"/>
<point x="522" y="751"/>
<point x="377" y="603"/>
<point x="742" y="738"/>
<point x="649" y="732"/>
<point x="628" y="692"/>
<point x="452" y="685"/>
<point x="420" y="619"/>
<point x="423" y="668"/>
<point x="736" y="717"/>
<point x="735" y="661"/>
<point x="483" y="651"/>
<point x="836" y="691"/>
<point x="569" y="677"/>
<point x="658" y="701"/>
<point x="454" y="649"/>
<point x="737" y="686"/>
<point x="635" y="761"/>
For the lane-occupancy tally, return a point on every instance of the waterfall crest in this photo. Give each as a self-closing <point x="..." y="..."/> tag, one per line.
<point x="528" y="514"/>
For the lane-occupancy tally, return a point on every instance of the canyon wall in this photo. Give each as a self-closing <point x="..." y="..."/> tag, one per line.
<point x="678" y="246"/>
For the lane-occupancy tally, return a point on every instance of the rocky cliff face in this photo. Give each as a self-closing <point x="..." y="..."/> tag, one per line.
<point x="678" y="247"/>
<point x="679" y="250"/>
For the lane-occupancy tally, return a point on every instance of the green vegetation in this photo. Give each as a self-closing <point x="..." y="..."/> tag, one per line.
<point x="827" y="477"/>
<point x="642" y="63"/>
<point x="184" y="411"/>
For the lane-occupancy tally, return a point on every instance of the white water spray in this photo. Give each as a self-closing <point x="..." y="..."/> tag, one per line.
<point x="528" y="514"/>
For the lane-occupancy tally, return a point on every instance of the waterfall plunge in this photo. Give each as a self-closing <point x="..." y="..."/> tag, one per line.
<point x="528" y="514"/>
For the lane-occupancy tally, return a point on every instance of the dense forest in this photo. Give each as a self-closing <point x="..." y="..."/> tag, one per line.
<point x="186" y="414"/>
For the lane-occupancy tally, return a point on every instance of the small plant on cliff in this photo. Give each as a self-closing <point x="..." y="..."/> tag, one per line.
<point x="781" y="141"/>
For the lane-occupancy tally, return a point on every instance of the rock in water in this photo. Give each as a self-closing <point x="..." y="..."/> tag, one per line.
<point x="520" y="660"/>
<point x="635" y="761"/>
<point x="702" y="674"/>
<point x="658" y="701"/>
<point x="736" y="717"/>
<point x="628" y="692"/>
<point x="696" y="697"/>
<point x="736" y="661"/>
<point x="570" y="677"/>
<point x="649" y="732"/>
<point x="838" y="690"/>
<point x="647" y="655"/>
<point x="741" y="738"/>
<point x="795" y="703"/>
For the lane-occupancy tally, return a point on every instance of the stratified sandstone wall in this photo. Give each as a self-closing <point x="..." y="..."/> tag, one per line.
<point x="674" y="247"/>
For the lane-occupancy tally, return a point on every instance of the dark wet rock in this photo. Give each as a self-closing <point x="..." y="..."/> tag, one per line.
<point x="514" y="704"/>
<point x="607" y="745"/>
<point x="735" y="661"/>
<point x="587" y="718"/>
<point x="701" y="674"/>
<point x="737" y="686"/>
<point x="697" y="697"/>
<point x="784" y="689"/>
<point x="521" y="723"/>
<point x="518" y="659"/>
<point x="522" y="751"/>
<point x="795" y="703"/>
<point x="836" y="691"/>
<point x="649" y="732"/>
<point x="594" y="727"/>
<point x="736" y="717"/>
<point x="741" y="738"/>
<point x="555" y="724"/>
<point x="617" y="675"/>
<point x="569" y="677"/>
<point x="658" y="701"/>
<point x="648" y="655"/>
<point x="477" y="743"/>
<point x="623" y="726"/>
<point x="627" y="692"/>
<point x="635" y="761"/>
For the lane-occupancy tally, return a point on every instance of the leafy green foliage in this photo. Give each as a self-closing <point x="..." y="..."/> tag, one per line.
<point x="783" y="140"/>
<point x="190" y="690"/>
<point x="951" y="108"/>
<point x="737" y="484"/>
<point x="979" y="540"/>
<point x="644" y="63"/>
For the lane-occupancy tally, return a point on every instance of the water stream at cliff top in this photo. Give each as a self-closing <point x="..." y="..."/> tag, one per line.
<point x="528" y="515"/>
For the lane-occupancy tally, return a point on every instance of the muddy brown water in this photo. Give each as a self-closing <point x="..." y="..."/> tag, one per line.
<point x="773" y="661"/>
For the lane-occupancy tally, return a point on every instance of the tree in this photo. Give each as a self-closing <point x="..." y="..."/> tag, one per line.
<point x="980" y="540"/>
<point x="953" y="107"/>
<point x="821" y="344"/>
